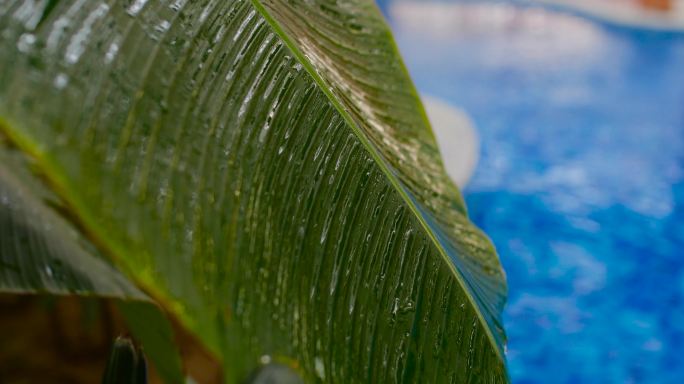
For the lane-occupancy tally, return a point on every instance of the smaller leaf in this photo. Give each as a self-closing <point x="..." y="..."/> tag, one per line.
<point x="126" y="364"/>
<point x="148" y="324"/>
<point x="41" y="251"/>
<point x="275" y="373"/>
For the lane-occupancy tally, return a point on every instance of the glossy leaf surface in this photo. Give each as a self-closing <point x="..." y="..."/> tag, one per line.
<point x="42" y="252"/>
<point x="266" y="171"/>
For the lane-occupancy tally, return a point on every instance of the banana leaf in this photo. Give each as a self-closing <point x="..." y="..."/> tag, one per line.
<point x="43" y="252"/>
<point x="263" y="170"/>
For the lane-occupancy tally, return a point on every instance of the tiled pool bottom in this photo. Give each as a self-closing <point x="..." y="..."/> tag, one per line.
<point x="580" y="183"/>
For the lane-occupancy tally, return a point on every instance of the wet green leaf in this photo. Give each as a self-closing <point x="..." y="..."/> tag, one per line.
<point x="41" y="251"/>
<point x="266" y="171"/>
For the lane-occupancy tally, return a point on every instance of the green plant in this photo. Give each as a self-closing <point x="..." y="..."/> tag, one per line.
<point x="262" y="170"/>
<point x="126" y="364"/>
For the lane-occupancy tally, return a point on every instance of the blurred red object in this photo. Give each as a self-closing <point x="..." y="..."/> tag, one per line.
<point x="661" y="5"/>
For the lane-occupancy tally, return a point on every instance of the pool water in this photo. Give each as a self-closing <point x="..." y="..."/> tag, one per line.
<point x="580" y="183"/>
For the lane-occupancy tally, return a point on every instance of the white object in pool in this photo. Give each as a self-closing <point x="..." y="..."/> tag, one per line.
<point x="628" y="13"/>
<point x="456" y="136"/>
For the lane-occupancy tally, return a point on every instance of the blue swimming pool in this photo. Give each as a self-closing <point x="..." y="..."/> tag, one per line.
<point x="580" y="183"/>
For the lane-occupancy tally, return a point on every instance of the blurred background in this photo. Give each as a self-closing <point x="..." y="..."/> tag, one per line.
<point x="579" y="110"/>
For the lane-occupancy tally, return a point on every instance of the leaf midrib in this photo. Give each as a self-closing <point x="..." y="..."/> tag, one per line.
<point x="396" y="183"/>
